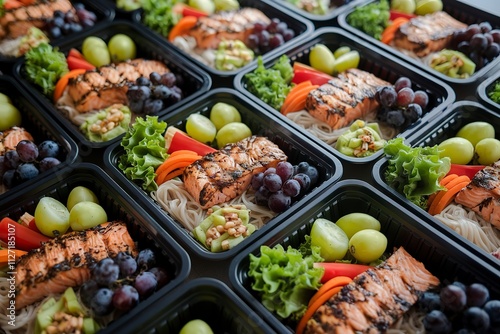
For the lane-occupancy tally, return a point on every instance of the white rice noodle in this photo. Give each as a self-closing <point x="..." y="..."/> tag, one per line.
<point x="410" y="322"/>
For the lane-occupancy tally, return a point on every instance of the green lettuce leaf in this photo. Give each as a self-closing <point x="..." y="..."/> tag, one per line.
<point x="144" y="151"/>
<point x="286" y="279"/>
<point x="415" y="172"/>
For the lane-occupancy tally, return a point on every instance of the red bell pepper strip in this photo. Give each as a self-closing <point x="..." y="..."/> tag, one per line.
<point x="186" y="10"/>
<point x="178" y="140"/>
<point x="19" y="236"/>
<point x="316" y="78"/>
<point x="333" y="269"/>
<point x="77" y="63"/>
<point x="75" y="53"/>
<point x="394" y="14"/>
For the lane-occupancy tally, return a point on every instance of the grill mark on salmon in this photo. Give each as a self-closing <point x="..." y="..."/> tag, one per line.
<point x="10" y="138"/>
<point x="482" y="194"/>
<point x="209" y="31"/>
<point x="428" y="33"/>
<point x="16" y="22"/>
<point x="225" y="174"/>
<point x="65" y="261"/>
<point x="375" y="299"/>
<point x="345" y="98"/>
<point x="107" y="85"/>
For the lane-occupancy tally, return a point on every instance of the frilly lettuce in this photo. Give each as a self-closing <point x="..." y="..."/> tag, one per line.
<point x="286" y="279"/>
<point x="144" y="151"/>
<point x="415" y="172"/>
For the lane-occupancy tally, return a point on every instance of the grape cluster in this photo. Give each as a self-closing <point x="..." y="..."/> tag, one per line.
<point x="63" y="24"/>
<point x="266" y="37"/>
<point x="121" y="282"/>
<point x="27" y="161"/>
<point x="277" y="187"/>
<point x="460" y="308"/>
<point x="479" y="42"/>
<point x="401" y="105"/>
<point x="150" y="95"/>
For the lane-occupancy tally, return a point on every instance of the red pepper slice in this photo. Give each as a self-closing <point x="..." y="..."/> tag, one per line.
<point x="77" y="63"/>
<point x="186" y="10"/>
<point x="333" y="269"/>
<point x="394" y="14"/>
<point x="316" y="78"/>
<point x="19" y="236"/>
<point x="181" y="141"/>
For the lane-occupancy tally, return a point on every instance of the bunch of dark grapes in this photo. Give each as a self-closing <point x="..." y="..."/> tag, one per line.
<point x="458" y="308"/>
<point x="63" y="24"/>
<point x="122" y="282"/>
<point x="278" y="187"/>
<point x="400" y="104"/>
<point x="479" y="42"/>
<point x="266" y="37"/>
<point x="150" y="95"/>
<point x="27" y="161"/>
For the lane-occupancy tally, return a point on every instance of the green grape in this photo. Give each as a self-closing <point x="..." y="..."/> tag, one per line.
<point x="80" y="194"/>
<point x="51" y="216"/>
<point x="458" y="149"/>
<point x="330" y="238"/>
<point x="232" y="133"/>
<point x="226" y="5"/>
<point x="85" y="215"/>
<point x="201" y="128"/>
<point x="4" y="98"/>
<point x="223" y="113"/>
<point x="95" y="50"/>
<point x="476" y="131"/>
<point x="488" y="151"/>
<point x="121" y="47"/>
<point x="196" y="326"/>
<point x="367" y="245"/>
<point x="322" y="59"/>
<point x="357" y="221"/>
<point x="92" y="42"/>
<point x="346" y="61"/>
<point x="9" y="116"/>
<point x="340" y="51"/>
<point x="206" y="6"/>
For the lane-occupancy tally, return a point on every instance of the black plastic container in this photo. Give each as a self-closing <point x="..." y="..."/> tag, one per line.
<point x="372" y="60"/>
<point x="196" y="82"/>
<point x="441" y="256"/>
<point x="297" y="147"/>
<point x="119" y="206"/>
<point x="103" y="13"/>
<point x="461" y="11"/>
<point x="300" y="25"/>
<point x="485" y="88"/>
<point x="442" y="127"/>
<point x="37" y="122"/>
<point x="205" y="298"/>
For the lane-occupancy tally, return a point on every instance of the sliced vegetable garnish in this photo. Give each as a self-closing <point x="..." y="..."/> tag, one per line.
<point x="63" y="82"/>
<point x="25" y="238"/>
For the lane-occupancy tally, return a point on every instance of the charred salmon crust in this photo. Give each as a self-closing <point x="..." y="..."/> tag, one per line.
<point x="209" y="31"/>
<point x="225" y="174"/>
<point x="482" y="194"/>
<point x="108" y="85"/>
<point x="17" y="21"/>
<point x="345" y="98"/>
<point x="65" y="261"/>
<point x="10" y="138"/>
<point x="428" y="33"/>
<point x="375" y="299"/>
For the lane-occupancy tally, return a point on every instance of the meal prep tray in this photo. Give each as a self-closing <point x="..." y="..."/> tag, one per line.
<point x="119" y="206"/>
<point x="463" y="12"/>
<point x="442" y="127"/>
<point x="444" y="258"/>
<point x="196" y="83"/>
<point x="205" y="298"/>
<point x="297" y="147"/>
<point x="484" y="89"/>
<point x="301" y="26"/>
<point x="372" y="60"/>
<point x="37" y="122"/>
<point x="104" y="15"/>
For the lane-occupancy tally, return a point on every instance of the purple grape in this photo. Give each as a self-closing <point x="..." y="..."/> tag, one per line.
<point x="476" y="319"/>
<point x="395" y="118"/>
<point x="464" y="47"/>
<point x="87" y="23"/>
<point x="437" y="322"/>
<point x="472" y="30"/>
<point x="138" y="93"/>
<point x="27" y="151"/>
<point x="272" y="182"/>
<point x="270" y="170"/>
<point x="421" y="98"/>
<point x="48" y="148"/>
<point x="272" y="27"/>
<point x="87" y="290"/>
<point x="453" y="298"/>
<point x="285" y="170"/>
<point x="162" y="92"/>
<point x="143" y="81"/>
<point x="75" y="27"/>
<point x="48" y="163"/>
<point x="387" y="96"/>
<point x="175" y="96"/>
<point x="478" y="42"/>
<point x="459" y="36"/>
<point x="152" y="106"/>
<point x="429" y="301"/>
<point x="2" y="165"/>
<point x="276" y="40"/>
<point x="405" y="97"/>
<point x="125" y="298"/>
<point x="304" y="180"/>
<point x="485" y="27"/>
<point x="281" y="27"/>
<point x="291" y="188"/>
<point x="9" y="179"/>
<point x="26" y="171"/>
<point x="492" y="307"/>
<point x="146" y="259"/>
<point x="84" y="14"/>
<point x="145" y="284"/>
<point x="155" y="78"/>
<point x="492" y="51"/>
<point x="489" y="38"/>
<point x="477" y="294"/>
<point x="264" y="191"/>
<point x="412" y="113"/>
<point x="261" y="197"/>
<point x="161" y="275"/>
<point x="136" y="107"/>
<point x="106" y="272"/>
<point x="313" y="174"/>
<point x="402" y="82"/>
<point x="257" y="180"/>
<point x="302" y="167"/>
<point x="102" y="302"/>
<point x="253" y="42"/>
<point x="496" y="35"/>
<point x="11" y="159"/>
<point x="264" y="37"/>
<point x="126" y="263"/>
<point x="259" y="26"/>
<point x="288" y="34"/>
<point x="279" y="202"/>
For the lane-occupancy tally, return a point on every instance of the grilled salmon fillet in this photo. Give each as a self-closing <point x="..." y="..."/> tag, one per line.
<point x="345" y="98"/>
<point x="107" y="85"/>
<point x="482" y="194"/>
<point x="65" y="261"/>
<point x="12" y="136"/>
<point x="209" y="31"/>
<point x="225" y="174"/>
<point x="375" y="299"/>
<point x="17" y="21"/>
<point x="428" y="33"/>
